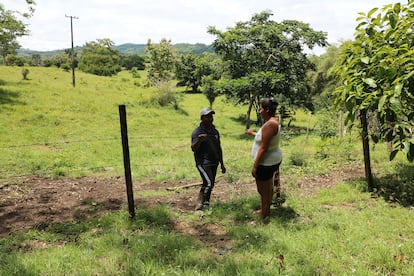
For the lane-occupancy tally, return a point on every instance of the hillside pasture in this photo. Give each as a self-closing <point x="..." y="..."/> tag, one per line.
<point x="63" y="199"/>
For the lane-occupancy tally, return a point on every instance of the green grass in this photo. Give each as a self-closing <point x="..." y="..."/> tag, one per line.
<point x="339" y="232"/>
<point x="51" y="129"/>
<point x="55" y="130"/>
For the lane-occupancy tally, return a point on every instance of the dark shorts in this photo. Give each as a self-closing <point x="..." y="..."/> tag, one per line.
<point x="266" y="172"/>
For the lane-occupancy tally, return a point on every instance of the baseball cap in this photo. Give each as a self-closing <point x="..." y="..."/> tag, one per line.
<point x="206" y="111"/>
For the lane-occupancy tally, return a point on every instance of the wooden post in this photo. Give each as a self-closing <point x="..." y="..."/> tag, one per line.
<point x="127" y="164"/>
<point x="72" y="55"/>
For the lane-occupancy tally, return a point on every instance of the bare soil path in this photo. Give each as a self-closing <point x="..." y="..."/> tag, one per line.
<point x="39" y="202"/>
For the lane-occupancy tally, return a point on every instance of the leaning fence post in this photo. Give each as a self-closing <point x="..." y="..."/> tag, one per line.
<point x="127" y="164"/>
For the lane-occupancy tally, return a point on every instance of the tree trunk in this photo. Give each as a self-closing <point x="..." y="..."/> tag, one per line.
<point x="249" y="110"/>
<point x="308" y="127"/>
<point x="365" y="146"/>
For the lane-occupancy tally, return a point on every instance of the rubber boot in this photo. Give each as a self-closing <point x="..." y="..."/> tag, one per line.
<point x="206" y="199"/>
<point x="200" y="201"/>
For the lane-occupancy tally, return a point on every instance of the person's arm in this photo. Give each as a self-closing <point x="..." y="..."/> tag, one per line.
<point x="223" y="168"/>
<point x="250" y="132"/>
<point x="197" y="141"/>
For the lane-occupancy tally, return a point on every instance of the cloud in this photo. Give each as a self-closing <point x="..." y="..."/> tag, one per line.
<point x="181" y="21"/>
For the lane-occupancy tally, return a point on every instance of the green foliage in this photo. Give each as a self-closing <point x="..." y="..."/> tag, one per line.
<point x="322" y="82"/>
<point x="100" y="58"/>
<point x="133" y="61"/>
<point x="134" y="72"/>
<point x="14" y="60"/>
<point x="376" y="71"/>
<point x="25" y="73"/>
<point x="11" y="28"/>
<point x="327" y="125"/>
<point x="62" y="60"/>
<point x="161" y="62"/>
<point x="58" y="60"/>
<point x="209" y="89"/>
<point x="190" y="70"/>
<point x="167" y="95"/>
<point x="265" y="58"/>
<point x="36" y="60"/>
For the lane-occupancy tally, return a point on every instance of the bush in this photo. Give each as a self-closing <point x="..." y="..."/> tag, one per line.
<point x="166" y="95"/>
<point x="14" y="60"/>
<point x="25" y="73"/>
<point x="327" y="125"/>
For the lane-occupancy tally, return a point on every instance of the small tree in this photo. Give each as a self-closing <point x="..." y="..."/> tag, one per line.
<point x="376" y="71"/>
<point x="161" y="61"/>
<point x="25" y="73"/>
<point x="209" y="89"/>
<point x="36" y="60"/>
<point x="100" y="58"/>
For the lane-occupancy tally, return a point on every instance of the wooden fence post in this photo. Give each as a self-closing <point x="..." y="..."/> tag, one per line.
<point x="127" y="164"/>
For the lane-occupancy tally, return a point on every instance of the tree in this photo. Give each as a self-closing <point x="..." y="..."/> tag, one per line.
<point x="161" y="61"/>
<point x="322" y="82"/>
<point x="100" y="58"/>
<point x="376" y="71"/>
<point x="185" y="72"/>
<point x="36" y="60"/>
<point x="210" y="84"/>
<point x="14" y="60"/>
<point x="266" y="58"/>
<point x="130" y="61"/>
<point x="10" y="29"/>
<point x="25" y="73"/>
<point x="190" y="69"/>
<point x="60" y="60"/>
<point x="209" y="89"/>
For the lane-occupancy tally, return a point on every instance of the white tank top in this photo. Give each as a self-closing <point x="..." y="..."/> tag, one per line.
<point x="273" y="155"/>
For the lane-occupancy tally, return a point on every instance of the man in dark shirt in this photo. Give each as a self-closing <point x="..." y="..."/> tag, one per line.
<point x="205" y="143"/>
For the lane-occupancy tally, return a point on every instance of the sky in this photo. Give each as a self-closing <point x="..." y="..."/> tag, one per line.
<point x="181" y="21"/>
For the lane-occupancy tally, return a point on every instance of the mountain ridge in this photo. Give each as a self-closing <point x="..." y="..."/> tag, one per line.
<point x="128" y="48"/>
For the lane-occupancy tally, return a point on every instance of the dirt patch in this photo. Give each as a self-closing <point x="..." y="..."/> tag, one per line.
<point x="39" y="202"/>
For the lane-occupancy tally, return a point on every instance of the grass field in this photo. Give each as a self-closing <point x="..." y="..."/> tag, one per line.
<point x="50" y="129"/>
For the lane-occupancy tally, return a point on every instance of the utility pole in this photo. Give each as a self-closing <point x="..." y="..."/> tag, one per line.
<point x="73" y="52"/>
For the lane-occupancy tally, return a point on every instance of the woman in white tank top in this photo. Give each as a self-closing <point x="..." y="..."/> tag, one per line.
<point x="266" y="154"/>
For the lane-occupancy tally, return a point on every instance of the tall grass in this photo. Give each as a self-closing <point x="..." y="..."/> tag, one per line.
<point x="51" y="129"/>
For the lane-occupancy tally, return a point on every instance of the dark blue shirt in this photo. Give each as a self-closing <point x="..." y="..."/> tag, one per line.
<point x="209" y="151"/>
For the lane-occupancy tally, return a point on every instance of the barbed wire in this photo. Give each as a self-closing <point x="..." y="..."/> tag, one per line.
<point x="130" y="138"/>
<point x="66" y="170"/>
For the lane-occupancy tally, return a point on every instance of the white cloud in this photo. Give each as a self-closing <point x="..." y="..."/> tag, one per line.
<point x="134" y="21"/>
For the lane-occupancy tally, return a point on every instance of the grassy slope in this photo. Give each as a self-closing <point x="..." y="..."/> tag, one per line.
<point x="49" y="128"/>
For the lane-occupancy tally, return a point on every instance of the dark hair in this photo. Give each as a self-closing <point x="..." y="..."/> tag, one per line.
<point x="269" y="103"/>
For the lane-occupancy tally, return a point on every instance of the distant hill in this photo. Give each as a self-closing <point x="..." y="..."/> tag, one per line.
<point x="128" y="48"/>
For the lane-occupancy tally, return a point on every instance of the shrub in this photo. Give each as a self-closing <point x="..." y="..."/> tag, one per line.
<point x="166" y="95"/>
<point x="25" y="73"/>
